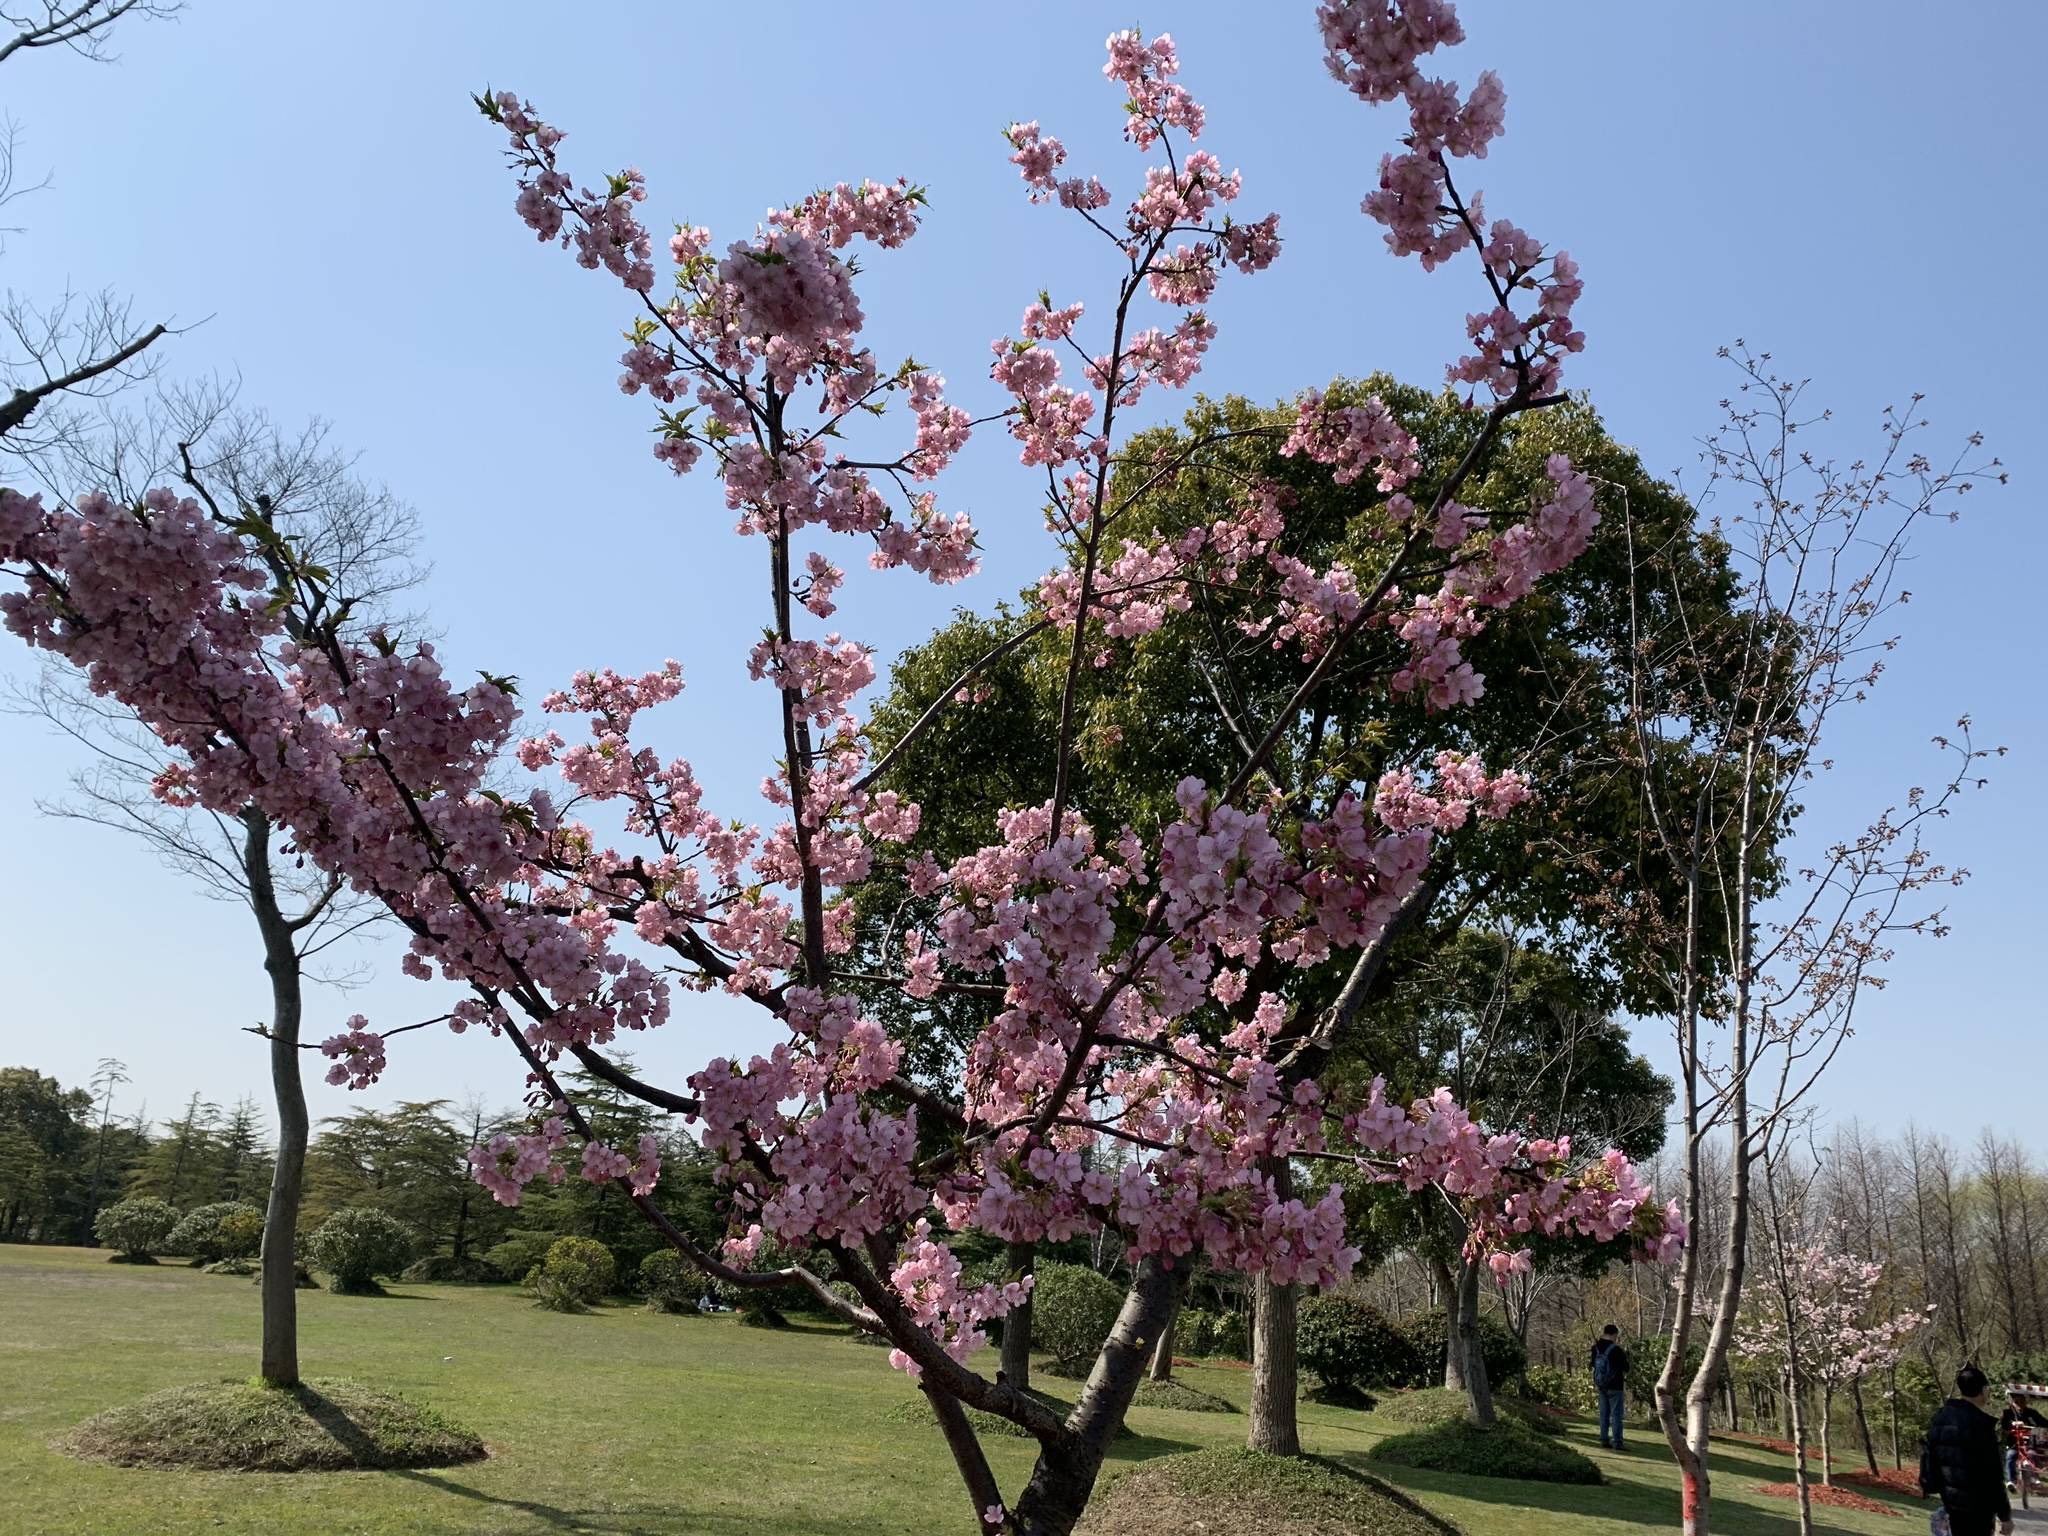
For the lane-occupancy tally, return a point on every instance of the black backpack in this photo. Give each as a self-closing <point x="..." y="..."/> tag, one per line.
<point x="1610" y="1367"/>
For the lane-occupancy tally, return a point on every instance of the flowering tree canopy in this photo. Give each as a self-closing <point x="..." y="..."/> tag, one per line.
<point x="1124" y="967"/>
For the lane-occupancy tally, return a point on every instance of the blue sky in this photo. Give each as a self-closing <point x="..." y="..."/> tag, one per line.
<point x="1855" y="188"/>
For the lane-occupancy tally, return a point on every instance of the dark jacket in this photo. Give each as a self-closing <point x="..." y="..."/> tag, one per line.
<point x="2011" y="1416"/>
<point x="1618" y="1367"/>
<point x="1964" y="1463"/>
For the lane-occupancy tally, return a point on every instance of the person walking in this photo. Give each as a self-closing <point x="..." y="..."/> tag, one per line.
<point x="1610" y="1379"/>
<point x="1961" y="1464"/>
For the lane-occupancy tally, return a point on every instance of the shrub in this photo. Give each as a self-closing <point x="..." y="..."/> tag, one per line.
<point x="576" y="1272"/>
<point x="136" y="1229"/>
<point x="1072" y="1310"/>
<point x="1572" y="1391"/>
<point x="446" y="1269"/>
<point x="1242" y="1491"/>
<point x="1351" y="1345"/>
<point x="229" y="1267"/>
<point x="356" y="1245"/>
<point x="1505" y="1355"/>
<point x="517" y="1255"/>
<point x="1506" y="1449"/>
<point x="1440" y="1405"/>
<point x="231" y="1229"/>
<point x="1205" y="1333"/>
<point x="667" y="1283"/>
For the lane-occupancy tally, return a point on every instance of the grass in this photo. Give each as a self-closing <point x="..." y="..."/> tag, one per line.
<point x="1503" y="1449"/>
<point x="1242" y="1493"/>
<point x="324" y="1425"/>
<point x="630" y="1423"/>
<point x="1436" y="1406"/>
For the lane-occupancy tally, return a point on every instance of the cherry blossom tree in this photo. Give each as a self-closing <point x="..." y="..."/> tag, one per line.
<point x="1140" y="1007"/>
<point x="1819" y="1323"/>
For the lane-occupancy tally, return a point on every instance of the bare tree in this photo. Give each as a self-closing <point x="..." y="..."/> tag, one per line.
<point x="310" y="494"/>
<point x="79" y="345"/>
<point x="1759" y="960"/>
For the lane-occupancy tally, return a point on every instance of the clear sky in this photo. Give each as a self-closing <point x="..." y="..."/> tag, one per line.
<point x="1855" y="186"/>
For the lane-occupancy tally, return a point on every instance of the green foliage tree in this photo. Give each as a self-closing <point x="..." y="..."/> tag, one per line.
<point x="44" y="1138"/>
<point x="357" y="1245"/>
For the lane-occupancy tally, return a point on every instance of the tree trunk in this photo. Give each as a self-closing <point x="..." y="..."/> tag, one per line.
<point x="1464" y="1354"/>
<point x="1065" y="1473"/>
<point x="1274" y="1384"/>
<point x="1827" y="1452"/>
<point x="1795" y="1396"/>
<point x="279" y="1280"/>
<point x="1863" y="1426"/>
<point x="1162" y="1356"/>
<point x="1016" y="1362"/>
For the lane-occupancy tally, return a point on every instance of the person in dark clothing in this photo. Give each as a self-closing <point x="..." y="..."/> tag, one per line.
<point x="1961" y="1462"/>
<point x="2019" y="1411"/>
<point x="1610" y="1378"/>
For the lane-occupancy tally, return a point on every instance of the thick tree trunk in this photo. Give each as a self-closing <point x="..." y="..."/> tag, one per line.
<point x="1016" y="1361"/>
<point x="279" y="1278"/>
<point x="1464" y="1355"/>
<point x="1064" y="1477"/>
<point x="1274" y="1373"/>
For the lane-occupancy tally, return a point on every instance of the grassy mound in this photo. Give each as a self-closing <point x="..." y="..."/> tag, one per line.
<point x="1244" y="1493"/>
<point x="1505" y="1449"/>
<point x="915" y="1410"/>
<point x="243" y="1426"/>
<point x="1439" y="1405"/>
<point x="1077" y="1368"/>
<point x="1178" y="1394"/>
<point x="228" y="1267"/>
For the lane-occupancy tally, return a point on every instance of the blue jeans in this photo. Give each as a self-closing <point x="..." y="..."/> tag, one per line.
<point x="1611" y="1399"/>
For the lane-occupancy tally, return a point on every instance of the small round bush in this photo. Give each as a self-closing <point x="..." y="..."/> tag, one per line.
<point x="1351" y="1344"/>
<point x="1194" y="1332"/>
<point x="1505" y="1355"/>
<point x="668" y="1284"/>
<point x="1072" y="1310"/>
<point x="231" y="1229"/>
<point x="136" y="1229"/>
<point x="1506" y="1449"/>
<point x="358" y="1244"/>
<point x="576" y="1272"/>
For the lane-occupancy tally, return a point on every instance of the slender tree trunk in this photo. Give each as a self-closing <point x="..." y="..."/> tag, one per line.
<point x="1795" y="1395"/>
<point x="280" y="1271"/>
<point x="1016" y="1362"/>
<point x="1162" y="1356"/>
<point x="1274" y="1378"/>
<point x="1863" y="1425"/>
<point x="1827" y="1452"/>
<point x="1066" y="1470"/>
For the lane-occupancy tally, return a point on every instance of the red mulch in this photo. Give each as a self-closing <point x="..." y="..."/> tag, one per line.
<point x="1837" y="1498"/>
<point x="1904" y="1480"/>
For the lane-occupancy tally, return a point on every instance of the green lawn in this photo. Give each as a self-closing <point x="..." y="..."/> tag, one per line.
<point x="625" y="1423"/>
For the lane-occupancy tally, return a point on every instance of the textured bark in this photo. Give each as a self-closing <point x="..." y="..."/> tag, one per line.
<point x="1273" y="1428"/>
<point x="1464" y="1357"/>
<point x="1162" y="1354"/>
<point x="280" y="1271"/>
<point x="1068" y="1464"/>
<point x="1016" y="1361"/>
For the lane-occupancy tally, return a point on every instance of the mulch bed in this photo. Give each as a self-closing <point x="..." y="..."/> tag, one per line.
<point x="1904" y="1480"/>
<point x="1834" y="1498"/>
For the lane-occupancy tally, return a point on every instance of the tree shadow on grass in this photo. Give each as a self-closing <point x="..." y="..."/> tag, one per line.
<point x="1641" y="1489"/>
<point x="666" y="1520"/>
<point x="343" y="1430"/>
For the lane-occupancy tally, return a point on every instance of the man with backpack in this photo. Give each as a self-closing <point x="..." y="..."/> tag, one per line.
<point x="1960" y="1464"/>
<point x="1610" y="1377"/>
